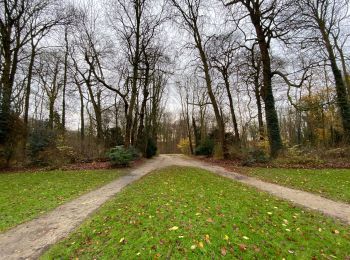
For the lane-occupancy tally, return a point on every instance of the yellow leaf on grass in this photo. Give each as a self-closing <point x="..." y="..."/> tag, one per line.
<point x="122" y="240"/>
<point x="226" y="237"/>
<point x="200" y="244"/>
<point x="173" y="228"/>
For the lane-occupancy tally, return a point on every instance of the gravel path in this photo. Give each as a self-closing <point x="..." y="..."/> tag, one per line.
<point x="31" y="239"/>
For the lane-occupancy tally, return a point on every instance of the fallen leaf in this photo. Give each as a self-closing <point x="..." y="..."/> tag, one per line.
<point x="246" y="238"/>
<point x="226" y="237"/>
<point x="122" y="240"/>
<point x="242" y="247"/>
<point x="207" y="238"/>
<point x="210" y="220"/>
<point x="336" y="231"/>
<point x="200" y="244"/>
<point x="193" y="247"/>
<point x="173" y="228"/>
<point x="256" y="249"/>
<point x="223" y="251"/>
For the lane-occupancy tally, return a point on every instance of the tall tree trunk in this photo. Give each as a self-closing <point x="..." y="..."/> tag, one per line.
<point x="52" y="96"/>
<point x="97" y="109"/>
<point x="340" y="86"/>
<point x="98" y="114"/>
<point x="259" y="107"/>
<point x="141" y="138"/>
<point x="233" y="113"/>
<point x="220" y="149"/>
<point x="28" y="87"/>
<point x="65" y="81"/>
<point x="197" y="133"/>
<point x="82" y="121"/>
<point x="27" y="98"/>
<point x="136" y="61"/>
<point x="7" y="79"/>
<point x="188" y="126"/>
<point x="273" y="128"/>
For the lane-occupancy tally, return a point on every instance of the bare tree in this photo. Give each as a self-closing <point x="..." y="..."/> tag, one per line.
<point x="189" y="11"/>
<point x="320" y="19"/>
<point x="222" y="55"/>
<point x="269" y="21"/>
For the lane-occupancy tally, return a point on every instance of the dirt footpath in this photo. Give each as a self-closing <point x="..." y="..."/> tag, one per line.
<point x="31" y="239"/>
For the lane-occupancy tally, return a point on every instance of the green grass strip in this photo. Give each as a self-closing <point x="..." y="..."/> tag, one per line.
<point x="188" y="213"/>
<point x="329" y="183"/>
<point x="24" y="196"/>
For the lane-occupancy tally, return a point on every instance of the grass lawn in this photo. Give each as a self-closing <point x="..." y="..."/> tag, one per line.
<point x="188" y="213"/>
<point x="330" y="183"/>
<point x="24" y="196"/>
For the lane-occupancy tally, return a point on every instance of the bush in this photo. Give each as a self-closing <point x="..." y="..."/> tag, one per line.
<point x="42" y="142"/>
<point x="151" y="149"/>
<point x="134" y="152"/>
<point x="184" y="146"/>
<point x="235" y="152"/>
<point x="12" y="130"/>
<point x="255" y="155"/>
<point x="205" y="148"/>
<point x="66" y="154"/>
<point x="296" y="155"/>
<point x="121" y="156"/>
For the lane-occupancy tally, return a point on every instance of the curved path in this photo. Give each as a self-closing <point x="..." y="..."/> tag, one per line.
<point x="29" y="240"/>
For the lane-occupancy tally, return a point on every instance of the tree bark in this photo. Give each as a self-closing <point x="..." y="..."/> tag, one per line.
<point x="136" y="61"/>
<point x="340" y="86"/>
<point x="233" y="113"/>
<point x="219" y="153"/>
<point x="273" y="128"/>
<point x="65" y="81"/>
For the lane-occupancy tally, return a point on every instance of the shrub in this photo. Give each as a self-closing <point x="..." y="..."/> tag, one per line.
<point x="66" y="154"/>
<point x="296" y="155"/>
<point x="151" y="149"/>
<point x="235" y="152"/>
<point x="120" y="156"/>
<point x="255" y="155"/>
<point x="12" y="131"/>
<point x="42" y="142"/>
<point x="184" y="146"/>
<point x="134" y="152"/>
<point x="206" y="147"/>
